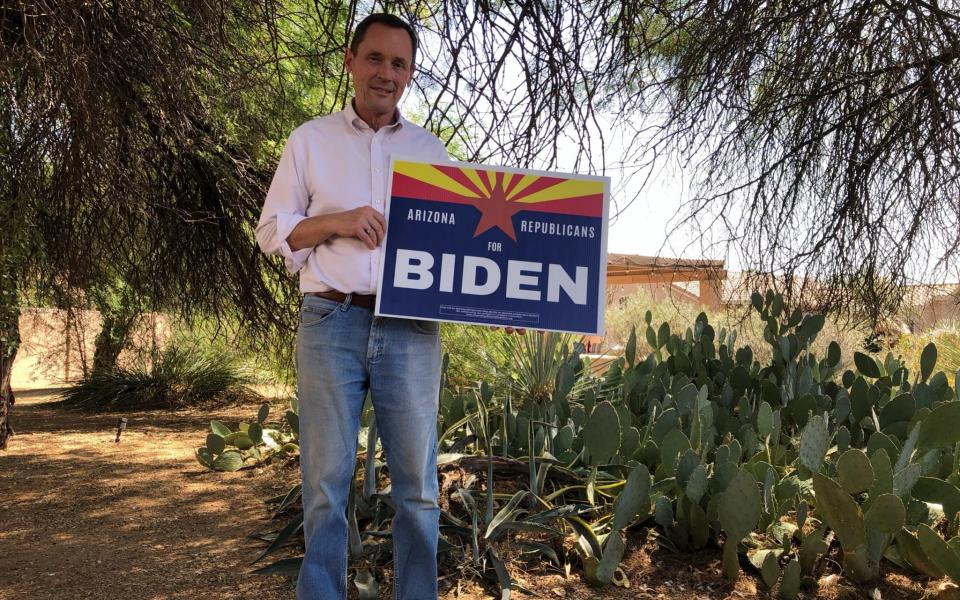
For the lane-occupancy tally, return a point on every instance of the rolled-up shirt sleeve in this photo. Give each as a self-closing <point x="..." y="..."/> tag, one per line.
<point x="284" y="208"/>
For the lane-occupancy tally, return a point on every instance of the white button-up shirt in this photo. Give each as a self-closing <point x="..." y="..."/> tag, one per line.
<point x="333" y="164"/>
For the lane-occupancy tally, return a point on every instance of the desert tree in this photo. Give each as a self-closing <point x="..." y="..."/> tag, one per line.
<point x="137" y="139"/>
<point x="822" y="136"/>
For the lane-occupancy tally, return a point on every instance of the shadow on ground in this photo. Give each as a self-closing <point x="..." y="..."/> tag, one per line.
<point x="85" y="517"/>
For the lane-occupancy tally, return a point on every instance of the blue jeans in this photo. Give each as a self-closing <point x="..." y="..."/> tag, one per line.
<point x="343" y="351"/>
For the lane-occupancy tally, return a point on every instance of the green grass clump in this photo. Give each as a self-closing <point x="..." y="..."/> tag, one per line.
<point x="179" y="377"/>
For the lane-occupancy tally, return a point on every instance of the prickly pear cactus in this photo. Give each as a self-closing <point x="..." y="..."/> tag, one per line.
<point x="814" y="443"/>
<point x="855" y="471"/>
<point x="790" y="583"/>
<point x="886" y="515"/>
<point x="697" y="484"/>
<point x="634" y="499"/>
<point x="214" y="455"/>
<point x="215" y="443"/>
<point x="863" y="538"/>
<point x="841" y="512"/>
<point x="939" y="552"/>
<point x="663" y="512"/>
<point x="739" y="510"/>
<point x="764" y="420"/>
<point x="601" y="433"/>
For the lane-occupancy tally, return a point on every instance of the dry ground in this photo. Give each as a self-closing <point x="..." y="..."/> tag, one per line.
<point x="84" y="517"/>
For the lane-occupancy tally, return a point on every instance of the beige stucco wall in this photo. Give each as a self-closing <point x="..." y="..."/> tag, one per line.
<point x="57" y="345"/>
<point x="940" y="310"/>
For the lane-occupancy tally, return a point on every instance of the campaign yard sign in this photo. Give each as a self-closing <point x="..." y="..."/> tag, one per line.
<point x="486" y="245"/>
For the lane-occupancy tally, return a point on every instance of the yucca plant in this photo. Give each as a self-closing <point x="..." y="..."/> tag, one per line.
<point x="534" y="361"/>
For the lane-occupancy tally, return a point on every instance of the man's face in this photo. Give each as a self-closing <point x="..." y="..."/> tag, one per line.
<point x="382" y="68"/>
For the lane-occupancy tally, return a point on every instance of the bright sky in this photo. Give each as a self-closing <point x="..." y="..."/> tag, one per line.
<point x="646" y="204"/>
<point x="648" y="212"/>
<point x="643" y="224"/>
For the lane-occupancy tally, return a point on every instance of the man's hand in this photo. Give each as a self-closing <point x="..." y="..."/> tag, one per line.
<point x="364" y="223"/>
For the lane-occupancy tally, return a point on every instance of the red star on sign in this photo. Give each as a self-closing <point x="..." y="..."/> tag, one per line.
<point x="497" y="211"/>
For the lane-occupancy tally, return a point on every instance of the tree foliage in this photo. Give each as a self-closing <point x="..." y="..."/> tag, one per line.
<point x="823" y="135"/>
<point x="133" y="154"/>
<point x="137" y="138"/>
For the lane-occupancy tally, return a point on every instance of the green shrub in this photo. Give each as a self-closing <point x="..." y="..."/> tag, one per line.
<point x="476" y="353"/>
<point x="622" y="316"/>
<point x="947" y="339"/>
<point x="178" y="377"/>
<point x="272" y="365"/>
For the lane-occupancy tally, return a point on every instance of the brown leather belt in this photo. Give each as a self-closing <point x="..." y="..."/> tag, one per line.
<point x="368" y="301"/>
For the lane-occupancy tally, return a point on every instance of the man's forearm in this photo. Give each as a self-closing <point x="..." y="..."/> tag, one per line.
<point x="364" y="223"/>
<point x="310" y="232"/>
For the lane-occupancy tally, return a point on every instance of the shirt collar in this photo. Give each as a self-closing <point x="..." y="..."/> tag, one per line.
<point x="353" y="119"/>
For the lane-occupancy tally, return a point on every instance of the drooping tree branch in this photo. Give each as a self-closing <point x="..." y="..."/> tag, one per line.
<point x="824" y="136"/>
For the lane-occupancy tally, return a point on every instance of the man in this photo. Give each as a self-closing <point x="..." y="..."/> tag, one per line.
<point x="323" y="214"/>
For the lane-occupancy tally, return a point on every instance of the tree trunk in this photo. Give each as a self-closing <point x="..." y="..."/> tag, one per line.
<point x="9" y="344"/>
<point x="119" y="315"/>
<point x="111" y="341"/>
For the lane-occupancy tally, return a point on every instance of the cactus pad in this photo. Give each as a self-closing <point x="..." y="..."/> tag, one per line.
<point x="939" y="552"/>
<point x="601" y="434"/>
<point x="205" y="457"/>
<point x="814" y="442"/>
<point x="215" y="444"/>
<point x="840" y="512"/>
<point x="903" y="481"/>
<point x="941" y="428"/>
<point x="886" y="514"/>
<point x="790" y="583"/>
<point x="764" y="420"/>
<point x="634" y="499"/>
<point x="740" y="506"/>
<point x="770" y="569"/>
<point x="883" y="472"/>
<point x="663" y="512"/>
<point x="228" y="461"/>
<point x="855" y="471"/>
<point x="928" y="360"/>
<point x="697" y="484"/>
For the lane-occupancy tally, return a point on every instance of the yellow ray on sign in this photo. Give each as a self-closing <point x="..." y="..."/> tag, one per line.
<point x="475" y="178"/>
<point x="492" y="178"/>
<point x="570" y="188"/>
<point x="524" y="184"/>
<point x="433" y="176"/>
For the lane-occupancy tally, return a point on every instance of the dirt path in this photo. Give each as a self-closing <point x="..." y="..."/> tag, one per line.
<point x="84" y="517"/>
